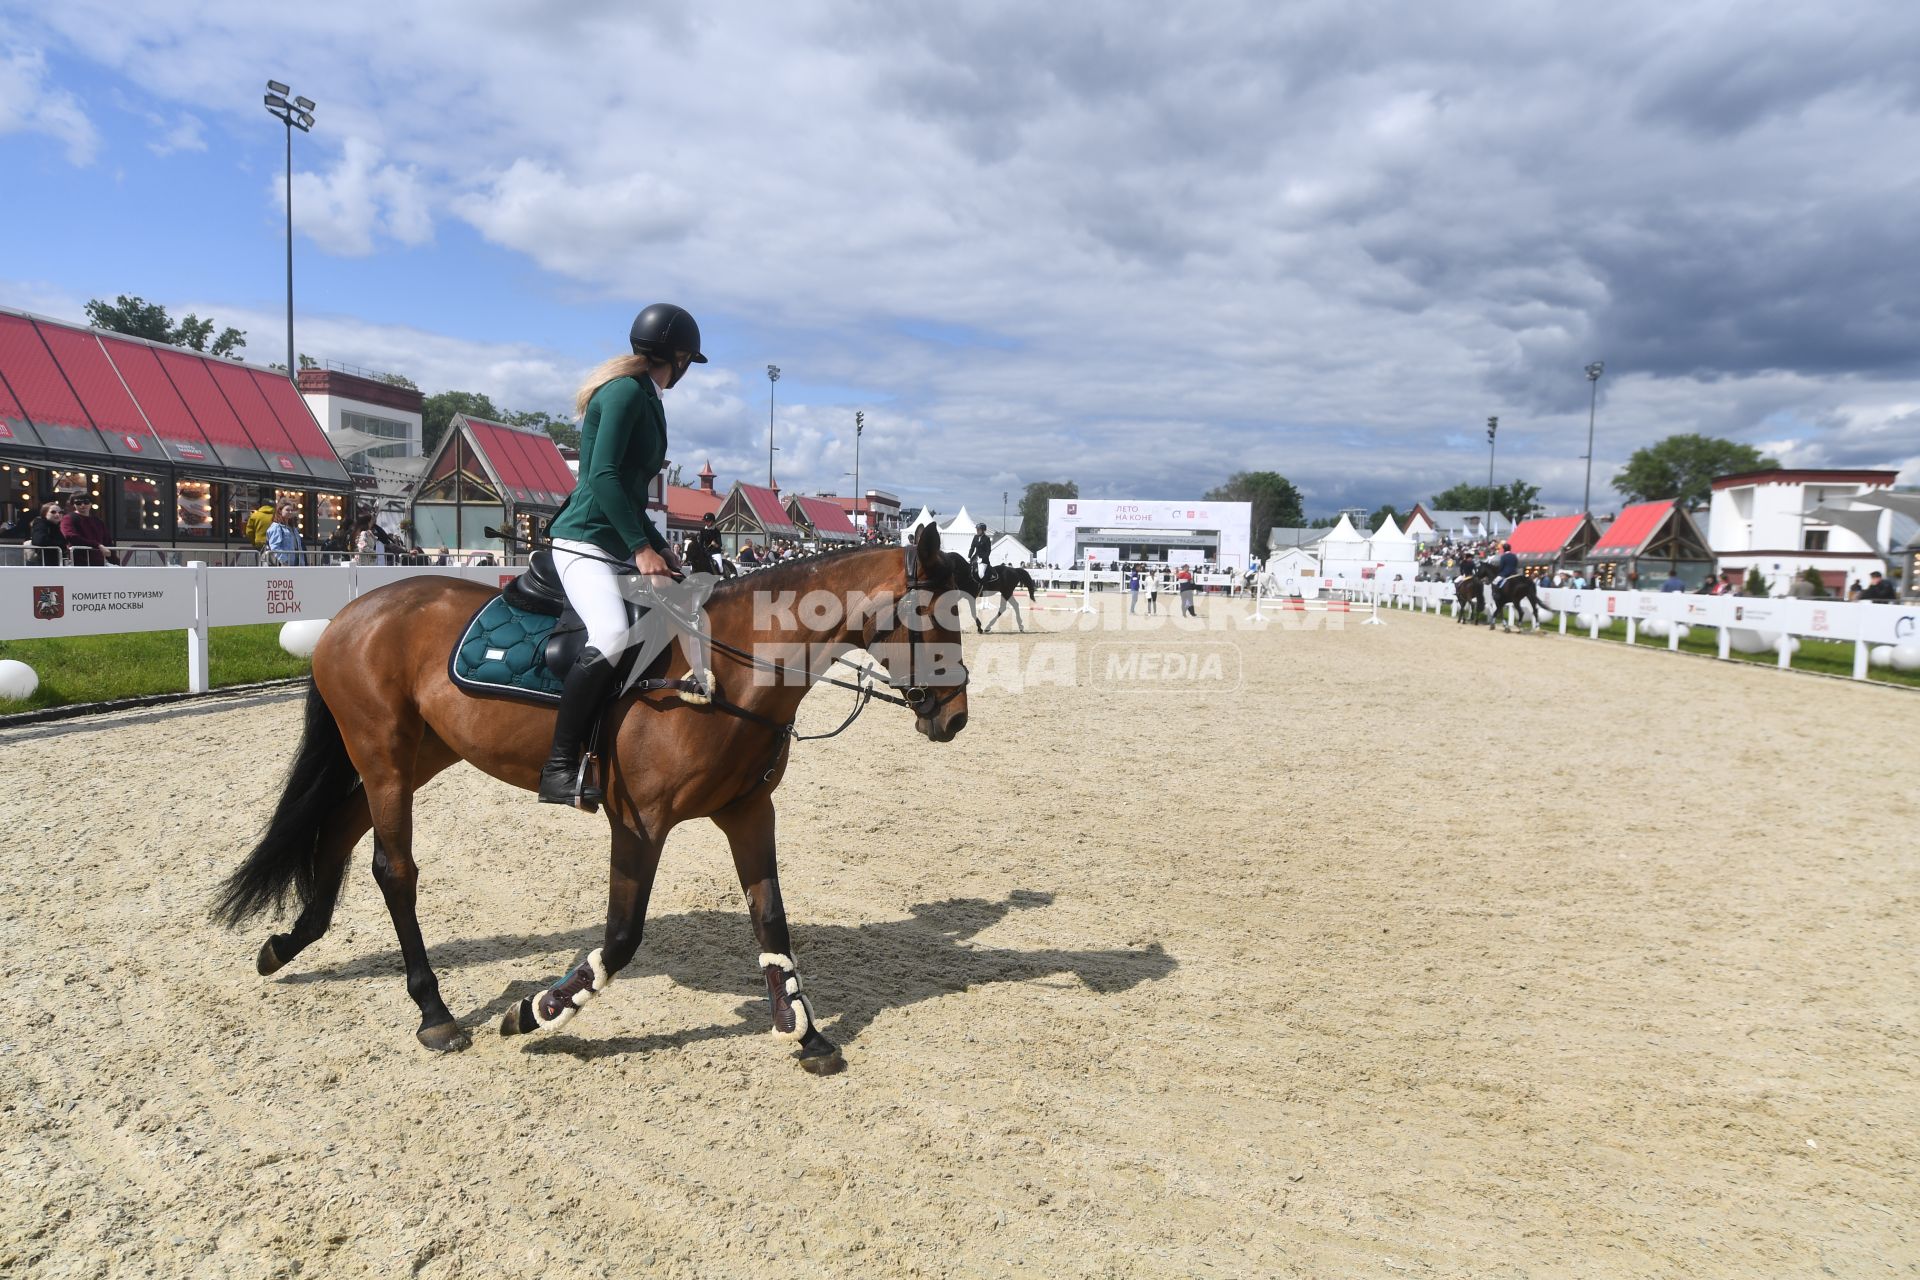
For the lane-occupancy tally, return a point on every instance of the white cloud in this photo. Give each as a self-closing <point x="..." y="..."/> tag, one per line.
<point x="360" y="198"/>
<point x="29" y="105"/>
<point x="183" y="134"/>
<point x="1137" y="246"/>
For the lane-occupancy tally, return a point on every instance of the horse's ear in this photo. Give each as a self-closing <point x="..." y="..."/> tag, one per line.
<point x="927" y="544"/>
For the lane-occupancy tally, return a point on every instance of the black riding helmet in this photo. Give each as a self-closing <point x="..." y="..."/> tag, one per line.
<point x="665" y="331"/>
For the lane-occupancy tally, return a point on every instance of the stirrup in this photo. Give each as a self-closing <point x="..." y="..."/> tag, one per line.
<point x="581" y="794"/>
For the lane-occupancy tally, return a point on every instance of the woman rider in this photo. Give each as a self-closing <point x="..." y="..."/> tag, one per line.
<point x="623" y="445"/>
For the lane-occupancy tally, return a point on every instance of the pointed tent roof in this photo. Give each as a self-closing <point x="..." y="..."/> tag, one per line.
<point x="1006" y="542"/>
<point x="1342" y="532"/>
<point x="925" y="517"/>
<point x="959" y="522"/>
<point x="1390" y="534"/>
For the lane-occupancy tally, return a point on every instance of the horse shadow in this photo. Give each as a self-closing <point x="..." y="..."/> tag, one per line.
<point x="854" y="972"/>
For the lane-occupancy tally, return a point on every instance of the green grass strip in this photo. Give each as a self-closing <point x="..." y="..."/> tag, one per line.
<point x="102" y="668"/>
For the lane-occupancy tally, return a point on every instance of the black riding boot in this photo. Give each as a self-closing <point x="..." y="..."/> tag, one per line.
<point x="582" y="699"/>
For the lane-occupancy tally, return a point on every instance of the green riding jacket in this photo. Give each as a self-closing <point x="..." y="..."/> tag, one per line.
<point x="623" y="445"/>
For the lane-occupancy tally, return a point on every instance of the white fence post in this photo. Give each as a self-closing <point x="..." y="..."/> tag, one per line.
<point x="1859" y="659"/>
<point x="1726" y="644"/>
<point x="199" y="679"/>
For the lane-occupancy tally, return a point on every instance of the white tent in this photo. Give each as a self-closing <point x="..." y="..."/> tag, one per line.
<point x="1008" y="549"/>
<point x="1394" y="553"/>
<point x="1344" y="553"/>
<point x="913" y="526"/>
<point x="956" y="533"/>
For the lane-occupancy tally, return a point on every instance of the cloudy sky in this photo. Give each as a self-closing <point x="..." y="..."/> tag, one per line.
<point x="1138" y="246"/>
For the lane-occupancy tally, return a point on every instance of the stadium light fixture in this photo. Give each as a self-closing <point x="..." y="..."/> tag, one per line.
<point x="773" y="376"/>
<point x="859" y="429"/>
<point x="1594" y="371"/>
<point x="297" y="114"/>
<point x="1493" y="428"/>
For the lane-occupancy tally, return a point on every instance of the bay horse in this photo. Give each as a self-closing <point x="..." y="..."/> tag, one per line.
<point x="383" y="716"/>
<point x="1469" y="598"/>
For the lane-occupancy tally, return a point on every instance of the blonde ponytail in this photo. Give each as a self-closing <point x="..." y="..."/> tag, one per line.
<point x="618" y="367"/>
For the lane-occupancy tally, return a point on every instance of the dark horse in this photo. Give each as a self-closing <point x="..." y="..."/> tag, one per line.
<point x="1005" y="579"/>
<point x="1516" y="589"/>
<point x="383" y="717"/>
<point x="1469" y="598"/>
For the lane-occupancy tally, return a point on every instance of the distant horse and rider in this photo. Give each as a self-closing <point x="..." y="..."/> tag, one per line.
<point x="1001" y="579"/>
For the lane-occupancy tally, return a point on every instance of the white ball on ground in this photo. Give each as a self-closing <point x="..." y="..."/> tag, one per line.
<point x="1682" y="630"/>
<point x="1744" y="640"/>
<point x="1583" y="621"/>
<point x="299" y="638"/>
<point x="17" y="680"/>
<point x="1654" y="629"/>
<point x="1789" y="643"/>
<point x="1906" y="657"/>
<point x="1605" y="620"/>
<point x="1881" y="655"/>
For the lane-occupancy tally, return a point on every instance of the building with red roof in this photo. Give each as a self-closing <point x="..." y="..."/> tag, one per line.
<point x="487" y="474"/>
<point x="753" y="513"/>
<point x="686" y="506"/>
<point x="822" y="519"/>
<point x="1662" y="534"/>
<point x="1546" y="543"/>
<point x="173" y="447"/>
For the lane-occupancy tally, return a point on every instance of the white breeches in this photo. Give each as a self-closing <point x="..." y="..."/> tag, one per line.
<point x="593" y="589"/>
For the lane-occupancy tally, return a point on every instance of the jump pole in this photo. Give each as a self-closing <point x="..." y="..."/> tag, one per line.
<point x="1374" y="619"/>
<point x="1086" y="589"/>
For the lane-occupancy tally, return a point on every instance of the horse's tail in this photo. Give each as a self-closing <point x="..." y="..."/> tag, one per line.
<point x="1026" y="580"/>
<point x="321" y="779"/>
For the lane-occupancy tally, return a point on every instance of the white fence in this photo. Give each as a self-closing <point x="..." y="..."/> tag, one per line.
<point x="1747" y="618"/>
<point x="36" y="603"/>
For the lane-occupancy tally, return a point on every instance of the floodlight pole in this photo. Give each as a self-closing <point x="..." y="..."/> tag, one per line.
<point x="859" y="427"/>
<point x="1493" y="426"/>
<point x="773" y="376"/>
<point x="294" y="114"/>
<point x="1594" y="371"/>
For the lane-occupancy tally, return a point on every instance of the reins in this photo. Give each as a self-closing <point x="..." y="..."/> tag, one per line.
<point x="862" y="687"/>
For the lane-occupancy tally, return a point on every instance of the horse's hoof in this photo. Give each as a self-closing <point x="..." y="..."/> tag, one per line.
<point x="822" y="1064"/>
<point x="518" y="1019"/>
<point x="268" y="962"/>
<point x="447" y="1037"/>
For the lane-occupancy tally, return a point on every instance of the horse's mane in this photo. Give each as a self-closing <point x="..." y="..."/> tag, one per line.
<point x="790" y="573"/>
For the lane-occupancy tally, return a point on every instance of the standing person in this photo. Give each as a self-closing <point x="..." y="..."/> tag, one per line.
<point x="1186" y="593"/>
<point x="623" y="444"/>
<point x="86" y="535"/>
<point x="48" y="547"/>
<point x="1153" y="592"/>
<point x="1133" y="589"/>
<point x="285" y="546"/>
<point x="1879" y="588"/>
<point x="1673" y="582"/>
<point x="366" y="548"/>
<point x="260" y="521"/>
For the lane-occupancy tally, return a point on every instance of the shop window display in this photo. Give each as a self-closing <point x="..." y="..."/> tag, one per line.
<point x="140" y="508"/>
<point x="193" y="508"/>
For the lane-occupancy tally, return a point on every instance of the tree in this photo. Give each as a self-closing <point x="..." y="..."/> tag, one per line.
<point x="560" y="430"/>
<point x="1385" y="513"/>
<point x="1514" y="501"/>
<point x="1274" y="500"/>
<point x="1033" y="509"/>
<point x="1756" y="582"/>
<point x="138" y="318"/>
<point x="1684" y="467"/>
<point x="394" y="380"/>
<point x="436" y="415"/>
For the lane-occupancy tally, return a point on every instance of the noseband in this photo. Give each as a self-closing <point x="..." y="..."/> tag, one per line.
<point x="923" y="701"/>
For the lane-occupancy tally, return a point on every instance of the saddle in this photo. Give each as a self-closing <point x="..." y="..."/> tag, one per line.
<point x="522" y="642"/>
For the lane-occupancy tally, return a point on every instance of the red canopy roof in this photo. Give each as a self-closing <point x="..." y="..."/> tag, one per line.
<point x="826" y="517"/>
<point x="764" y="503"/>
<point x="1543" y="537"/>
<point x="1634" y="525"/>
<point x="67" y="389"/>
<point x="527" y="464"/>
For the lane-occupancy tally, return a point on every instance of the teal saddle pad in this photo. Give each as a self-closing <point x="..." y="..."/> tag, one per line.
<point x="503" y="652"/>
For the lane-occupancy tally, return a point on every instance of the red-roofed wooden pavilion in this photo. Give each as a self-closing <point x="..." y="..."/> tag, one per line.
<point x="1651" y="539"/>
<point x="1547" y="543"/>
<point x="174" y="447"/>
<point x="752" y="513"/>
<point x="485" y="474"/>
